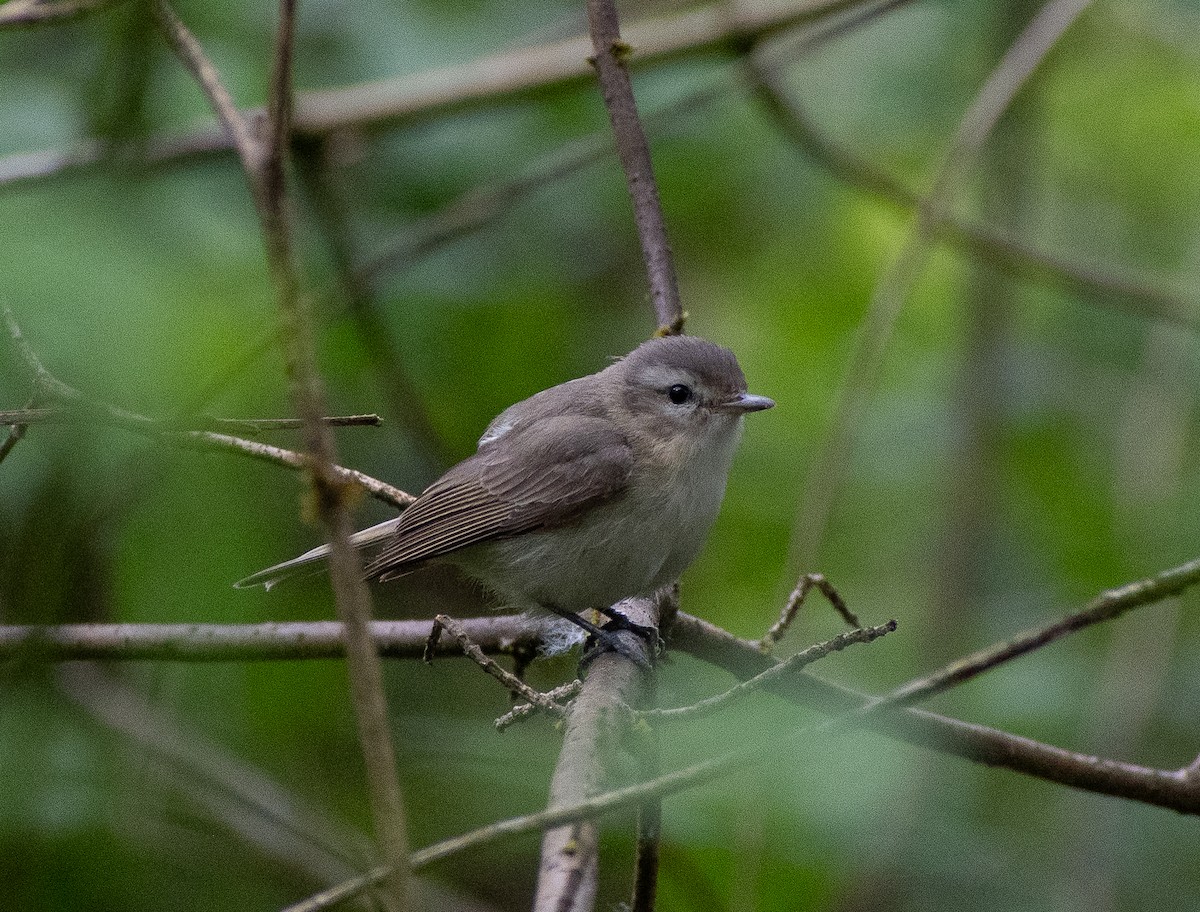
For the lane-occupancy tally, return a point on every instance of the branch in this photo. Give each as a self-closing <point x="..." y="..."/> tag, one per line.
<point x="995" y="96"/>
<point x="992" y="244"/>
<point x="272" y="641"/>
<point x="263" y="164"/>
<point x="567" y="876"/>
<point x="633" y="150"/>
<point x="49" y="386"/>
<point x="772" y="675"/>
<point x="1107" y="606"/>
<point x="60" y="415"/>
<point x="296" y="641"/>
<point x="39" y="12"/>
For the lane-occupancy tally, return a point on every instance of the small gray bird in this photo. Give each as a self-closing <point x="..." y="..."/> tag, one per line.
<point x="584" y="494"/>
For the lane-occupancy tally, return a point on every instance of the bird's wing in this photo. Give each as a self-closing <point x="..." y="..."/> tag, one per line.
<point x="535" y="476"/>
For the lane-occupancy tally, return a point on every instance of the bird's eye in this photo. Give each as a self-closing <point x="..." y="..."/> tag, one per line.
<point x="679" y="393"/>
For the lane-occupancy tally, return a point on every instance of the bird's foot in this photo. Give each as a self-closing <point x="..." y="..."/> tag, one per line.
<point x="620" y="621"/>
<point x="606" y="640"/>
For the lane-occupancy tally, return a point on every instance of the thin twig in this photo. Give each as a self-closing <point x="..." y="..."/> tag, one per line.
<point x="270" y="641"/>
<point x="235" y="124"/>
<point x="788" y="666"/>
<point x="562" y="694"/>
<point x="796" y="600"/>
<point x="828" y="469"/>
<point x="50" y="386"/>
<point x="38" y="12"/>
<point x="60" y="415"/>
<point x="320" y="180"/>
<point x="471" y="650"/>
<point x="610" y="54"/>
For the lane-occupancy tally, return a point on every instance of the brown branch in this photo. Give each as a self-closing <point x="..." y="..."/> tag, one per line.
<point x="49" y="386"/>
<point x="794" y="603"/>
<point x="330" y="214"/>
<point x="1183" y="784"/>
<point x="60" y="415"/>
<point x="829" y="468"/>
<point x="609" y="59"/>
<point x="17" y="13"/>
<point x="235" y="124"/>
<point x="487" y="80"/>
<point x="272" y="641"/>
<point x="559" y="695"/>
<point x="567" y="875"/>
<point x="263" y="164"/>
<point x="297" y="641"/>
<point x="490" y="666"/>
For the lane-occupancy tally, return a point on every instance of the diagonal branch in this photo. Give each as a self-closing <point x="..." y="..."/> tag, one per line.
<point x="263" y="164"/>
<point x="828" y="469"/>
<point x="610" y="56"/>
<point x="990" y="243"/>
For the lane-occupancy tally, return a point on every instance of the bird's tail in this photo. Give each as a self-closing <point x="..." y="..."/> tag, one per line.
<point x="313" y="561"/>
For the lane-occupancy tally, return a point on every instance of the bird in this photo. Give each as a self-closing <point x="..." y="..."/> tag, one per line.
<point x="585" y="494"/>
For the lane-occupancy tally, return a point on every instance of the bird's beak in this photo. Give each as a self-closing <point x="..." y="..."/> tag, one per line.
<point x="747" y="402"/>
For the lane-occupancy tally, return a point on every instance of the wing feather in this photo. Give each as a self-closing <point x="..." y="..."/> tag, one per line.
<point x="536" y="475"/>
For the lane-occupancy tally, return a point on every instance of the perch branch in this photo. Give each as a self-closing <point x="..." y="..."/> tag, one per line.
<point x="1106" y="607"/>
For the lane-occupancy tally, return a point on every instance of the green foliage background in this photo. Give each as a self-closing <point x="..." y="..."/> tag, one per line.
<point x="1027" y="447"/>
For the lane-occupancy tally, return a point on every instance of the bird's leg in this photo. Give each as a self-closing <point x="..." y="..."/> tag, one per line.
<point x="602" y="637"/>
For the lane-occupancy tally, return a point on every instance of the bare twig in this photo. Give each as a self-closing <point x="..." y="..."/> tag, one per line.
<point x="828" y="469"/>
<point x="562" y="694"/>
<point x="279" y="641"/>
<point x="49" y="386"/>
<point x="298" y="641"/>
<point x="796" y="600"/>
<point x="472" y="651"/>
<point x="791" y="665"/>
<point x="648" y="841"/>
<point x="60" y="415"/>
<point x="235" y="124"/>
<point x="38" y="12"/>
<point x="319" y="177"/>
<point x="609" y="58"/>
<point x="486" y="80"/>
